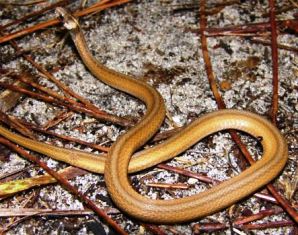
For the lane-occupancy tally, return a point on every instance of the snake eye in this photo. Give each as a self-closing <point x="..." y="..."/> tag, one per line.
<point x="60" y="13"/>
<point x="70" y="22"/>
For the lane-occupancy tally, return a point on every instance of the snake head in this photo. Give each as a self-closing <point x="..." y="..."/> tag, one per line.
<point x="69" y="21"/>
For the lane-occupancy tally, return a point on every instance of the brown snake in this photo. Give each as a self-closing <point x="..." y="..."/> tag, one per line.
<point x="120" y="161"/>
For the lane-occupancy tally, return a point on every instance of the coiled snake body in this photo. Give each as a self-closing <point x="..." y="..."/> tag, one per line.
<point x="120" y="161"/>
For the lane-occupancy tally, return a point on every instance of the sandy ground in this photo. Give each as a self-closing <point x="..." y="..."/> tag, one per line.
<point x="156" y="41"/>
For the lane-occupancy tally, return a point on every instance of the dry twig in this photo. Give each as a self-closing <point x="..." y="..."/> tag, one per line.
<point x="221" y="105"/>
<point x="56" y="21"/>
<point x="63" y="181"/>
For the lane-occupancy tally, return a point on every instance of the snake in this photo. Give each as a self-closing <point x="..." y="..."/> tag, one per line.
<point x="125" y="156"/>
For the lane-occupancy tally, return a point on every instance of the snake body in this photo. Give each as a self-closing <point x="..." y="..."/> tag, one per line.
<point x="122" y="158"/>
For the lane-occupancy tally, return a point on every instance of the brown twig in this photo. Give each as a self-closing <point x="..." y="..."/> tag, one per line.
<point x="207" y="179"/>
<point x="266" y="197"/>
<point x="187" y="173"/>
<point x="221" y="105"/>
<point x="49" y="76"/>
<point x="154" y="229"/>
<point x="208" y="66"/>
<point x="283" y="202"/>
<point x="63" y="181"/>
<point x="213" y="227"/>
<point x="56" y="21"/>
<point x="268" y="43"/>
<point x="28" y="3"/>
<point x="247" y="29"/>
<point x="208" y="227"/>
<point x="241" y="223"/>
<point x="13" y="224"/>
<point x="63" y="103"/>
<point x="64" y="137"/>
<point x="274" y="56"/>
<point x="274" y="224"/>
<point x="17" y="125"/>
<point x="9" y="99"/>
<point x="212" y="80"/>
<point x="60" y="117"/>
<point x="274" y="109"/>
<point x="215" y="9"/>
<point x="260" y="215"/>
<point x="90" y="107"/>
<point x="12" y="175"/>
<point x="43" y="212"/>
<point x="34" y="14"/>
<point x="32" y="182"/>
<point x="26" y="78"/>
